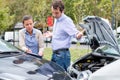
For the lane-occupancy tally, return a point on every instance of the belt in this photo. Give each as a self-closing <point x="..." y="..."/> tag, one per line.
<point x="63" y="49"/>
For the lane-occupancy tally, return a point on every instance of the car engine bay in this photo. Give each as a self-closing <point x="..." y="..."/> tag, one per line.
<point x="88" y="64"/>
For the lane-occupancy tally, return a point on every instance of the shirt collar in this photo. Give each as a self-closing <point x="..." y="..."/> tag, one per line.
<point x="32" y="33"/>
<point x="61" y="17"/>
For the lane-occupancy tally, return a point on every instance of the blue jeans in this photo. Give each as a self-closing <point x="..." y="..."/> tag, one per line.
<point x="62" y="58"/>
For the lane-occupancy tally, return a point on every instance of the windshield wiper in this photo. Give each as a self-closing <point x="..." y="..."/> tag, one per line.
<point x="9" y="52"/>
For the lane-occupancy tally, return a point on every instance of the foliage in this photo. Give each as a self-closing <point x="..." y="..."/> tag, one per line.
<point x="39" y="9"/>
<point x="84" y="8"/>
<point x="78" y="9"/>
<point x="117" y="9"/>
<point x="12" y="11"/>
<point x="5" y="18"/>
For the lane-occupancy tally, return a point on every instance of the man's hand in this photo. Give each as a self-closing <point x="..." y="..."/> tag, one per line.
<point x="47" y="34"/>
<point x="80" y="34"/>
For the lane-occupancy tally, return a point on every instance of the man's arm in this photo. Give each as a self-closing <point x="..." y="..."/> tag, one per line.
<point x="79" y="34"/>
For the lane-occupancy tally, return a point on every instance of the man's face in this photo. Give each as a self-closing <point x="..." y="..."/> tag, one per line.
<point x="28" y="24"/>
<point x="56" y="12"/>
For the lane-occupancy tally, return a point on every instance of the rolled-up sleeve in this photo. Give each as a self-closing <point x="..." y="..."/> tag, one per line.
<point x="40" y="41"/>
<point x="22" y="40"/>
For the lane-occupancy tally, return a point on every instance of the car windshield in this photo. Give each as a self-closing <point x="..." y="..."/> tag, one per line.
<point x="7" y="47"/>
<point x="107" y="49"/>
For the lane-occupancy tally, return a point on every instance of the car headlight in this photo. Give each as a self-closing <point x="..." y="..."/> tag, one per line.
<point x="84" y="75"/>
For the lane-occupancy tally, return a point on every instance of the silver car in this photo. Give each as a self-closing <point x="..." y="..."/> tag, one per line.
<point x="105" y="50"/>
<point x="18" y="65"/>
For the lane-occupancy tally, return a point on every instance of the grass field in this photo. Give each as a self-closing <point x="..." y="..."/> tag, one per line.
<point x="75" y="53"/>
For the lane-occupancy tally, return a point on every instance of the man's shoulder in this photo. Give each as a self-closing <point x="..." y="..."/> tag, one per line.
<point x="67" y="18"/>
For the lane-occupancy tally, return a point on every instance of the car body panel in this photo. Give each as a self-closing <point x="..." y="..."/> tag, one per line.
<point x="109" y="72"/>
<point x="18" y="65"/>
<point x="20" y="69"/>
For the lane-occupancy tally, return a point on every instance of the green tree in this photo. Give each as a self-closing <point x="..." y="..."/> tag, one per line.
<point x="5" y="18"/>
<point x="116" y="12"/>
<point x="76" y="9"/>
<point x="39" y="9"/>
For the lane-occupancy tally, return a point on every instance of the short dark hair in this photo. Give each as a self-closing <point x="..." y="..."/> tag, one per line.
<point x="26" y="17"/>
<point x="58" y="4"/>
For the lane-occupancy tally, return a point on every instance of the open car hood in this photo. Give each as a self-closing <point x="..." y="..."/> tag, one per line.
<point x="99" y="32"/>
